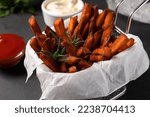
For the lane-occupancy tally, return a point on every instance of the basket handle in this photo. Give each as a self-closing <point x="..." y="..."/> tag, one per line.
<point x="116" y="10"/>
<point x="132" y="13"/>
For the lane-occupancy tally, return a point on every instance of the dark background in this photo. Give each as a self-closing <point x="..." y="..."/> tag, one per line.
<point x="12" y="81"/>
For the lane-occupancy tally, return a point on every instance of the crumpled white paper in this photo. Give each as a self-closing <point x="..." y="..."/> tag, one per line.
<point x="99" y="80"/>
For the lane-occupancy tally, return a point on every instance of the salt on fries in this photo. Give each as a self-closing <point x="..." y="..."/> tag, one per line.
<point x="81" y="44"/>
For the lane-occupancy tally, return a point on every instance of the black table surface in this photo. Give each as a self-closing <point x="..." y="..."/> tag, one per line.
<point x="12" y="81"/>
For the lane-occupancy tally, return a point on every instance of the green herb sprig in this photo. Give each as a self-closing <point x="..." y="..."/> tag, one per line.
<point x="75" y="41"/>
<point x="60" y="51"/>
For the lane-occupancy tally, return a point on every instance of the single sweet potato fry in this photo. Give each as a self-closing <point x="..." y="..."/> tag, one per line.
<point x="76" y="31"/>
<point x="97" y="39"/>
<point x="72" y="24"/>
<point x="106" y="52"/>
<point x="89" y="41"/>
<point x="119" y="43"/>
<point x="34" y="25"/>
<point x="97" y="58"/>
<point x="48" y="31"/>
<point x="72" y="69"/>
<point x="85" y="30"/>
<point x="70" y="59"/>
<point x="109" y="20"/>
<point x="130" y="42"/>
<point x="34" y="44"/>
<point x="59" y="27"/>
<point x="92" y="25"/>
<point x="106" y="36"/>
<point x="49" y="61"/>
<point x="95" y="12"/>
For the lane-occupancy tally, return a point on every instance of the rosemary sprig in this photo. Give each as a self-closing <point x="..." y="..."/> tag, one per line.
<point x="54" y="55"/>
<point x="60" y="51"/>
<point x="75" y="41"/>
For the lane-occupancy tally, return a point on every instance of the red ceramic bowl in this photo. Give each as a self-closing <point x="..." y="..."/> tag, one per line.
<point x="12" y="49"/>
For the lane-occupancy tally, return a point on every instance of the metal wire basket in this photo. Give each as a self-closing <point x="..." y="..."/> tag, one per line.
<point x="121" y="91"/>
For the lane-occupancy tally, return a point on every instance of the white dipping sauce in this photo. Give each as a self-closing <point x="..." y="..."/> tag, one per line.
<point x="62" y="7"/>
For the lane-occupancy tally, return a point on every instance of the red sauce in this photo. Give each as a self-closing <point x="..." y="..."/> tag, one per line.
<point x="10" y="46"/>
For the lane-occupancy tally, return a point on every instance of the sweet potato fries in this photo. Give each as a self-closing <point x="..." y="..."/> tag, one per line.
<point x="77" y="46"/>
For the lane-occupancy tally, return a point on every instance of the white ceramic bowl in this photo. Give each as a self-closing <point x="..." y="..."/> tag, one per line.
<point x="49" y="17"/>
